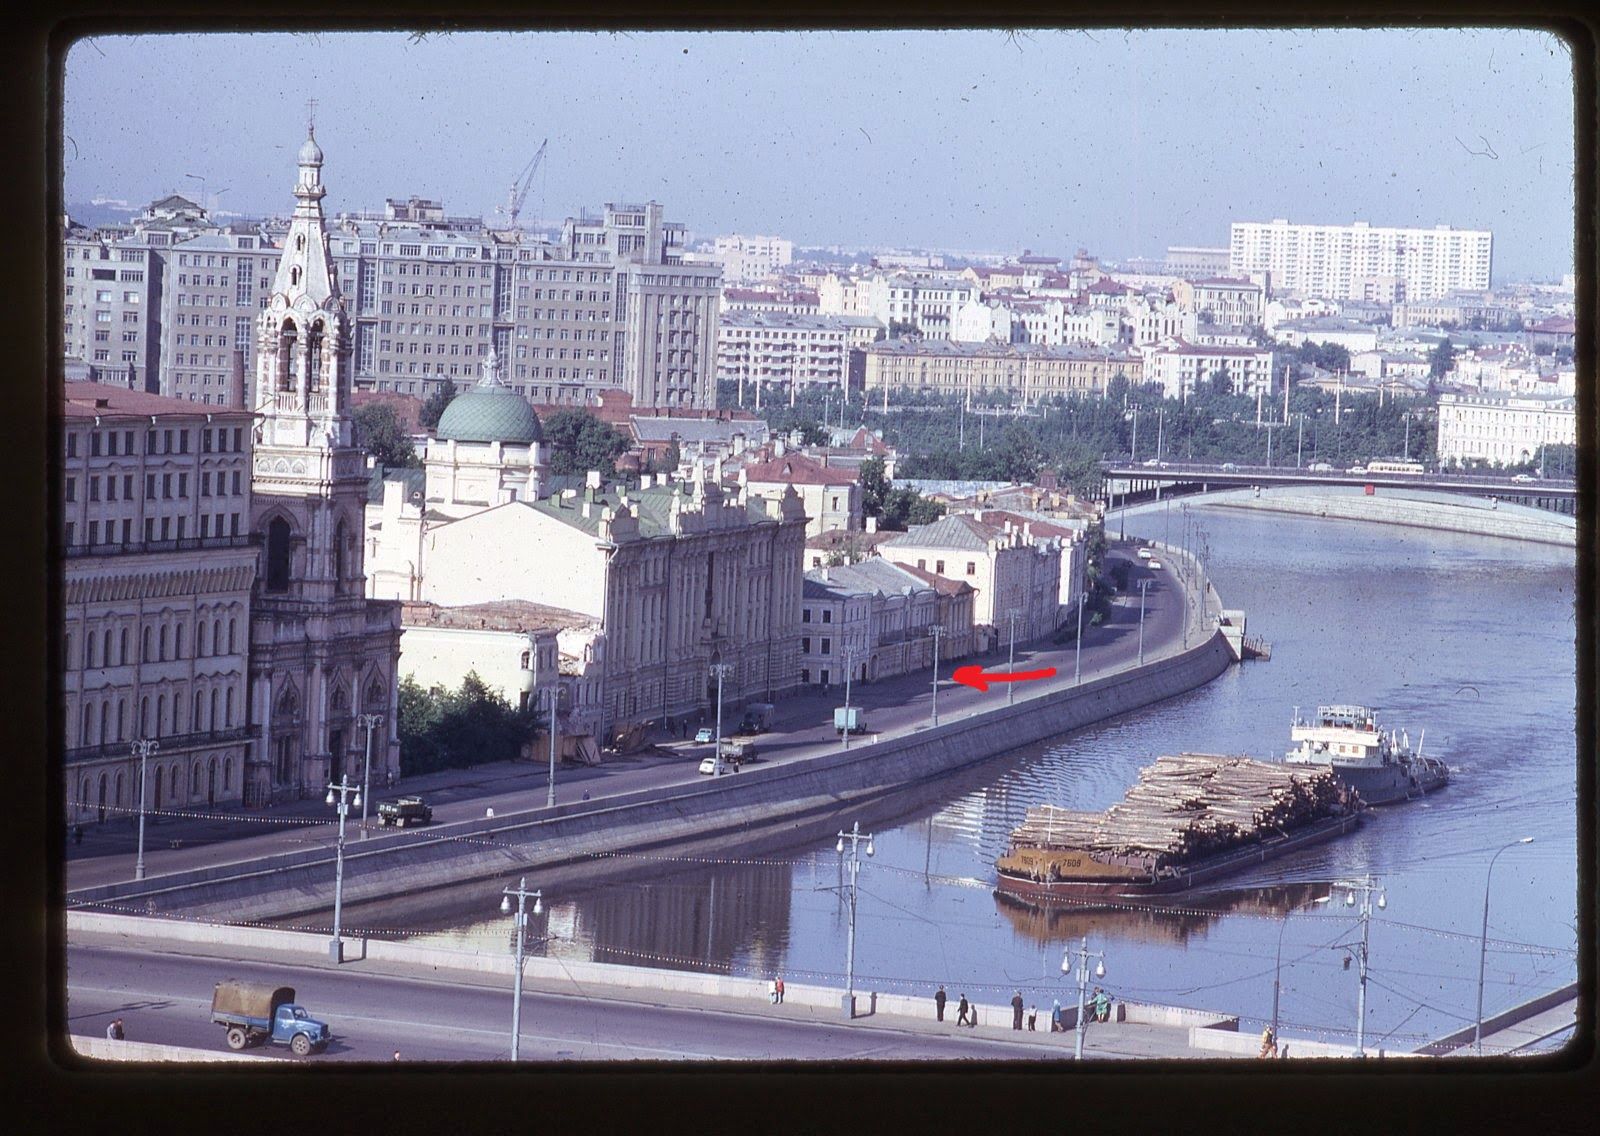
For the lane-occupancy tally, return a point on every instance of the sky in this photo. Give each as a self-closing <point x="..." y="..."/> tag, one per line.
<point x="1118" y="142"/>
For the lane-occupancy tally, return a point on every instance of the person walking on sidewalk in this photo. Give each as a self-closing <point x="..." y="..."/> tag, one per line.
<point x="1016" y="1010"/>
<point x="1055" y="1016"/>
<point x="772" y="991"/>
<point x="938" y="1003"/>
<point x="1033" y="1019"/>
<point x="780" y="989"/>
<point x="961" y="1011"/>
<point x="1102" y="1005"/>
<point x="114" y="1030"/>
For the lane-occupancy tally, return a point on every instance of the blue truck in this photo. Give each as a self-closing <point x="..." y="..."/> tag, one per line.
<point x="256" y="1012"/>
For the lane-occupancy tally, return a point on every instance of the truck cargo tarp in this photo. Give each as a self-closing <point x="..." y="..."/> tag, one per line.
<point x="249" y="999"/>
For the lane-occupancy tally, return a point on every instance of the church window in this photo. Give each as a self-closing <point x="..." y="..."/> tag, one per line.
<point x="294" y="275"/>
<point x="287" y="340"/>
<point x="314" y="357"/>
<point x="277" y="558"/>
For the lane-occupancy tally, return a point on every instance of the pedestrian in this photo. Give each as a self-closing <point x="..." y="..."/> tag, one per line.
<point x="114" y="1030"/>
<point x="1016" y="1010"/>
<point x="938" y="1002"/>
<point x="1102" y="1005"/>
<point x="1055" y="1016"/>
<point x="772" y="991"/>
<point x="1269" y="1043"/>
<point x="77" y="834"/>
<point x="397" y="1055"/>
<point x="780" y="989"/>
<point x="962" y="1011"/>
<point x="1033" y="1019"/>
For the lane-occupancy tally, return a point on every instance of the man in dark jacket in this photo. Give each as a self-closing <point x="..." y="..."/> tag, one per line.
<point x="1016" y="1010"/>
<point x="938" y="1003"/>
<point x="961" y="1011"/>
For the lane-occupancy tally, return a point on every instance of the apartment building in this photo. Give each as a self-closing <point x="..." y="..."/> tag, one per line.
<point x="745" y="260"/>
<point x="1180" y="367"/>
<point x="1503" y="429"/>
<point x="215" y="287"/>
<point x="1032" y="371"/>
<point x="1345" y="261"/>
<point x="875" y="620"/>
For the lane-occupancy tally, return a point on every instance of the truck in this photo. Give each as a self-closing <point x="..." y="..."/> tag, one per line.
<point x="757" y="718"/>
<point x="406" y="810"/>
<point x="849" y="719"/>
<point x="253" y="1013"/>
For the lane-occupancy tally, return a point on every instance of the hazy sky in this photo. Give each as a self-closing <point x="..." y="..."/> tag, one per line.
<point x="1122" y="143"/>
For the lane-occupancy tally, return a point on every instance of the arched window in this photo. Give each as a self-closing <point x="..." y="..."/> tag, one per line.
<point x="105" y="648"/>
<point x="88" y="650"/>
<point x="122" y="718"/>
<point x="299" y="242"/>
<point x="227" y="774"/>
<point x="164" y="636"/>
<point x="105" y="722"/>
<point x="341" y="544"/>
<point x="122" y="647"/>
<point x="294" y="275"/>
<point x="144" y="717"/>
<point x="211" y="722"/>
<point x="228" y="703"/>
<point x="314" y="357"/>
<point x="172" y="782"/>
<point x="277" y="561"/>
<point x="288" y="339"/>
<point x="194" y="782"/>
<point x="145" y="648"/>
<point x="216" y="635"/>
<point x="177" y="642"/>
<point x="102" y="810"/>
<point x="85" y="735"/>
<point x="230" y="634"/>
<point x="527" y="661"/>
<point x="195" y="723"/>
<point x="119" y="790"/>
<point x="161" y="713"/>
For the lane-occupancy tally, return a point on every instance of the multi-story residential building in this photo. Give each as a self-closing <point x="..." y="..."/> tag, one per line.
<point x="1342" y="261"/>
<point x="874" y="619"/>
<point x="1180" y="366"/>
<point x="1347" y="333"/>
<point x="1220" y="300"/>
<point x="321" y="653"/>
<point x="1032" y="371"/>
<point x="789" y="301"/>
<point x="609" y="304"/>
<point x="1012" y="570"/>
<point x="830" y="496"/>
<point x="157" y="571"/>
<point x="1479" y="309"/>
<point x="1503" y="429"/>
<point x="215" y="287"/>
<point x="1074" y="547"/>
<point x="768" y="349"/>
<point x="1152" y="317"/>
<point x="110" y="315"/>
<point x="745" y="260"/>
<point x="929" y="302"/>
<point x="1195" y="261"/>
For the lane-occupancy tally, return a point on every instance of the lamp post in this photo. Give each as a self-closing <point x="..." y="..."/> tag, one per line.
<point x="1365" y="887"/>
<point x="1143" y="585"/>
<point x="142" y="749"/>
<point x="550" y="796"/>
<point x="1483" y="943"/>
<point x="849" y="673"/>
<point x="522" y="893"/>
<point x="855" y="838"/>
<point x="1077" y="658"/>
<point x="1011" y="656"/>
<point x="1083" y="986"/>
<point x="936" y="631"/>
<point x="720" y="670"/>
<point x="369" y="722"/>
<point x="339" y="795"/>
<point x="1277" y="967"/>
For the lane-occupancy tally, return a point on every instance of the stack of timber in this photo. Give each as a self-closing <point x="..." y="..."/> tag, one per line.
<point x="1187" y="819"/>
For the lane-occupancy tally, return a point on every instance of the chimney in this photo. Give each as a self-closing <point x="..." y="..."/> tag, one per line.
<point x="872" y="524"/>
<point x="592" y="479"/>
<point x="645" y="481"/>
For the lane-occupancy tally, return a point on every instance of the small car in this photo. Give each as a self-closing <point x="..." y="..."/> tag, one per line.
<point x="709" y="766"/>
<point x="1320" y="467"/>
<point x="1155" y="565"/>
<point x="1152" y="463"/>
<point x="1229" y="467"/>
<point x="1145" y="554"/>
<point x="705" y="734"/>
<point x="1524" y="478"/>
<point x="1357" y="469"/>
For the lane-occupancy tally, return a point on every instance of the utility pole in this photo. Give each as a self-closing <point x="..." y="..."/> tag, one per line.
<point x="936" y="630"/>
<point x="1483" y="942"/>
<point x="1299" y="441"/>
<point x="1083" y="986"/>
<point x="1366" y="886"/>
<point x="849" y="673"/>
<point x="522" y="893"/>
<point x="1143" y="585"/>
<point x="855" y="838"/>
<point x="720" y="670"/>
<point x="343" y="790"/>
<point x="369" y="722"/>
<point x="1077" y="661"/>
<point x="142" y="749"/>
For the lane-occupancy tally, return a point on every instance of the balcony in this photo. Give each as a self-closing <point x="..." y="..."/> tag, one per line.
<point x="172" y="743"/>
<point x="187" y="544"/>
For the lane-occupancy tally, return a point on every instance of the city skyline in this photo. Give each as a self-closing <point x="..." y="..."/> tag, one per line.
<point x="984" y="168"/>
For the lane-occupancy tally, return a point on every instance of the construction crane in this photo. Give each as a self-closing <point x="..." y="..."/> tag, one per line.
<point x="519" y="188"/>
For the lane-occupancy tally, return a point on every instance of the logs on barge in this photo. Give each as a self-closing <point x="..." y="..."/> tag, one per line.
<point x="1181" y="809"/>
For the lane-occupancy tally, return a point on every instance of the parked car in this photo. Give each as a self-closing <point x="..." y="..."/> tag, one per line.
<point x="255" y="1012"/>
<point x="406" y="810"/>
<point x="1152" y="463"/>
<point x="705" y="734"/>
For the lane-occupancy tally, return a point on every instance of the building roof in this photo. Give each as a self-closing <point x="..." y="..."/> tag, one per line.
<point x="490" y="412"/>
<point x="797" y="469"/>
<point x="941" y="584"/>
<point x="957" y="532"/>
<point x="663" y="429"/>
<point x="849" y="540"/>
<point x="652" y="507"/>
<point x="90" y="400"/>
<point x="494" y="615"/>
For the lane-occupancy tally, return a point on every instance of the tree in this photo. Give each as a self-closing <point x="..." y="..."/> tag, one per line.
<point x="580" y="442"/>
<point x="1221" y="385"/>
<point x="1441" y="359"/>
<point x="433" y="409"/>
<point x="442" y="729"/>
<point x="1117" y="388"/>
<point x="813" y="433"/>
<point x="378" y="431"/>
<point x="874" y="486"/>
<point x="905" y="329"/>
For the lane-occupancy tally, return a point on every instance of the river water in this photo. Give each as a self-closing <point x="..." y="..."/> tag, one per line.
<point x="1470" y="639"/>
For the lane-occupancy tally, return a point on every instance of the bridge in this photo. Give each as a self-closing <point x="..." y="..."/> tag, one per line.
<point x="1156" y="478"/>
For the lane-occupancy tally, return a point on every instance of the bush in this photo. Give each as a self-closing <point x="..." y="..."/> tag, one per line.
<point x="471" y="725"/>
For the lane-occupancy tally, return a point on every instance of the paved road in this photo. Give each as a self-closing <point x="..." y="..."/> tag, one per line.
<point x="165" y="999"/>
<point x="802" y="729"/>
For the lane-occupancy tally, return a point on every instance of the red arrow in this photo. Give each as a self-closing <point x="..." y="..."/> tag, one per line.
<point x="974" y="677"/>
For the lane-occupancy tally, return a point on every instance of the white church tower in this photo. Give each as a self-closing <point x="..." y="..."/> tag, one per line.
<point x="322" y="656"/>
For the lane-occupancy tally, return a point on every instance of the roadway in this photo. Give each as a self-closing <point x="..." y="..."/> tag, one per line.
<point x="802" y="729"/>
<point x="1244" y="476"/>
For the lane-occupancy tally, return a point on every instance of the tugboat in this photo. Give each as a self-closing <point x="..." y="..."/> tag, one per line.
<point x="1381" y="767"/>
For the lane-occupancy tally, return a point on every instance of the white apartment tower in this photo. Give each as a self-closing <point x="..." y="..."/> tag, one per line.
<point x="1343" y="262"/>
<point x="321" y="654"/>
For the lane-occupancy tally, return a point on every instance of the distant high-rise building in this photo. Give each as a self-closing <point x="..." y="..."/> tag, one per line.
<point x="745" y="260"/>
<point x="1353" y="261"/>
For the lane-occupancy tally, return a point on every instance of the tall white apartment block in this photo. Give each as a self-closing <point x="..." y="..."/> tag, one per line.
<point x="1341" y="261"/>
<point x="745" y="260"/>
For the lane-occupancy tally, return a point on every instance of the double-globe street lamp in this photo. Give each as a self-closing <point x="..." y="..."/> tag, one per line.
<point x="142" y="749"/>
<point x="720" y="671"/>
<point x="1483" y="942"/>
<point x="369" y="722"/>
<point x="855" y="837"/>
<point x="1083" y="985"/>
<point x="339" y="795"/>
<point x="522" y="893"/>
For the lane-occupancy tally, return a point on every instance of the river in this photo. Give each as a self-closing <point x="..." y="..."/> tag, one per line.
<point x="1470" y="639"/>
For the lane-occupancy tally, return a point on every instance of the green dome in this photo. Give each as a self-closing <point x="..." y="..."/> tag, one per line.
<point x="489" y="413"/>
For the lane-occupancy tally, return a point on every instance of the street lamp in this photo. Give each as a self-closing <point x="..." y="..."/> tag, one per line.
<point x="1011" y="656"/>
<point x="1277" y="967"/>
<point x="1483" y="942"/>
<point x="1365" y="887"/>
<point x="1083" y="986"/>
<point x="340" y="795"/>
<point x="936" y="631"/>
<point x="720" y="670"/>
<point x="849" y="673"/>
<point x="142" y="749"/>
<point x="855" y="838"/>
<point x="1077" y="660"/>
<point x="522" y="893"/>
<point x="369" y="722"/>
<point x="550" y="797"/>
<point x="1143" y="585"/>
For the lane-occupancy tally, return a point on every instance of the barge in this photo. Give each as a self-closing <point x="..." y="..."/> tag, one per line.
<point x="1189" y="819"/>
<point x="1381" y="767"/>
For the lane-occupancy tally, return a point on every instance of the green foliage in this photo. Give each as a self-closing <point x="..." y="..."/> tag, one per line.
<point x="456" y="729"/>
<point x="1221" y="385"/>
<point x="1441" y="359"/>
<point x="433" y="409"/>
<point x="904" y="329"/>
<point x="1117" y="388"/>
<point x="1328" y="356"/>
<point x="874" y="486"/>
<point x="580" y="442"/>
<point x="378" y="431"/>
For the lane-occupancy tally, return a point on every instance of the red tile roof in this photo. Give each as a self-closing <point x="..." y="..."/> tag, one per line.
<point x="797" y="469"/>
<point x="86" y="400"/>
<point x="941" y="584"/>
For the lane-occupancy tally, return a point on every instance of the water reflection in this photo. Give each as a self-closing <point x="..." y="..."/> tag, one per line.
<point x="1063" y="922"/>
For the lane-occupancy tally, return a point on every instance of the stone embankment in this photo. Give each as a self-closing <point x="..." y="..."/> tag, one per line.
<point x="1453" y="514"/>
